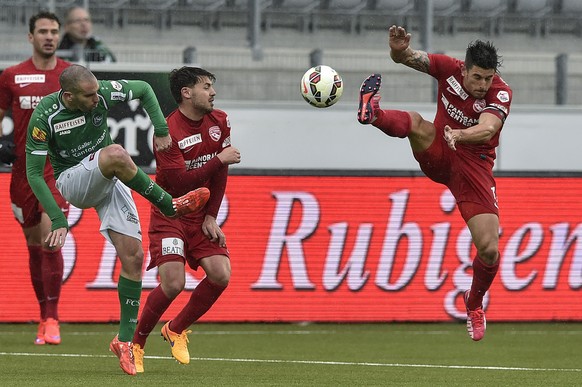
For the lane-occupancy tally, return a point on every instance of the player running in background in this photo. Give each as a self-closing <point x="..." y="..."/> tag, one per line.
<point x="21" y="88"/>
<point x="458" y="150"/>
<point x="92" y="172"/>
<point x="199" y="157"/>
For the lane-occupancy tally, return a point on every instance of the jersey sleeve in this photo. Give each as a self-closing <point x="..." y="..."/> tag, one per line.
<point x="440" y="65"/>
<point x="498" y="100"/>
<point x="143" y="91"/>
<point x="37" y="138"/>
<point x="219" y="178"/>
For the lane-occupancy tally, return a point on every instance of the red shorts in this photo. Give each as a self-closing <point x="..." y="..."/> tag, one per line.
<point x="25" y="206"/>
<point x="179" y="240"/>
<point x="468" y="176"/>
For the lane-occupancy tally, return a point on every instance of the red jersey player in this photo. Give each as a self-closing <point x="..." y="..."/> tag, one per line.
<point x="199" y="157"/>
<point x="21" y="88"/>
<point x="458" y="149"/>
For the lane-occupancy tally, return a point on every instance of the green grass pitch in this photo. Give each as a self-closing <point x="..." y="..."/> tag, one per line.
<point x="535" y="354"/>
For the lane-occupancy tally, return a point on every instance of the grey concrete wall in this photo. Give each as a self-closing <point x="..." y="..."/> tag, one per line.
<point x="298" y="136"/>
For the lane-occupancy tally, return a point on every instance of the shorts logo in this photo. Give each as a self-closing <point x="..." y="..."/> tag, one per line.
<point x="215" y="133"/>
<point x="479" y="105"/>
<point x="38" y="134"/>
<point x="29" y="78"/>
<point x="97" y="119"/>
<point x="503" y="96"/>
<point x="70" y="124"/>
<point x="189" y="141"/>
<point x="130" y="216"/>
<point x="173" y="246"/>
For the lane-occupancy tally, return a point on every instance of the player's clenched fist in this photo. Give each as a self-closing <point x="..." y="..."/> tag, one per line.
<point x="229" y="155"/>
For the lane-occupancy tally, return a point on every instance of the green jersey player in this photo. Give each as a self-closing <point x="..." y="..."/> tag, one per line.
<point x="92" y="172"/>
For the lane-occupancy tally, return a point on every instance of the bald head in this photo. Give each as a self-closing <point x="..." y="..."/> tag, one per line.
<point x="80" y="88"/>
<point x="72" y="77"/>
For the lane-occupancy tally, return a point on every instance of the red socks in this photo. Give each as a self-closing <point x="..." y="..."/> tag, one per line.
<point x="202" y="298"/>
<point x="156" y="304"/>
<point x="483" y="276"/>
<point x="53" y="279"/>
<point x="394" y="123"/>
<point x="35" y="258"/>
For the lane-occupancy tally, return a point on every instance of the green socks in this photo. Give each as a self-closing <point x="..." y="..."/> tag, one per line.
<point x="146" y="187"/>
<point x="129" y="296"/>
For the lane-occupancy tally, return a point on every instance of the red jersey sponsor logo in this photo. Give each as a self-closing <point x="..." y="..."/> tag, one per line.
<point x="189" y="141"/>
<point x="215" y="133"/>
<point x="457" y="88"/>
<point x="503" y="96"/>
<point x="27" y="102"/>
<point x="500" y="107"/>
<point x="26" y="79"/>
<point x="479" y="105"/>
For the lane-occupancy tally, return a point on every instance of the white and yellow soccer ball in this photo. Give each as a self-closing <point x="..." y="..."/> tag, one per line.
<point x="321" y="86"/>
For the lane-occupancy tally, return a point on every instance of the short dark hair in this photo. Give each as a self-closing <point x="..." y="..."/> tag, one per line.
<point x="482" y="54"/>
<point x="187" y="77"/>
<point x="41" y="15"/>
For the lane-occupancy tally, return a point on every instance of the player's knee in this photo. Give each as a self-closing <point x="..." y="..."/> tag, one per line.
<point x="132" y="263"/>
<point x="173" y="286"/>
<point x="489" y="253"/>
<point x="220" y="277"/>
<point x="116" y="155"/>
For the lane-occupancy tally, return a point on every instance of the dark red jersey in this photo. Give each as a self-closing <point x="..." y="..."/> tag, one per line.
<point x="458" y="109"/>
<point x="22" y="86"/>
<point x="191" y="162"/>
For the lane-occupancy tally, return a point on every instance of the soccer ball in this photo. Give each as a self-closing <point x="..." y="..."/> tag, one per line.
<point x="321" y="86"/>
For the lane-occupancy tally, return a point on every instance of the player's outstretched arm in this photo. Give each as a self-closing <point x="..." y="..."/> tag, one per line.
<point x="489" y="124"/>
<point x="401" y="52"/>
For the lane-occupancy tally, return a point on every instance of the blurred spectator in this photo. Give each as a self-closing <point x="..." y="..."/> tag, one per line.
<point x="79" y="40"/>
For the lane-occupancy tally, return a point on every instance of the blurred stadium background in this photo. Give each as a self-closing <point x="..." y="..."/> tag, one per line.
<point x="244" y="40"/>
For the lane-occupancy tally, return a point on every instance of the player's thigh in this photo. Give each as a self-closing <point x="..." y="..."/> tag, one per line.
<point x="83" y="185"/>
<point x="422" y="133"/>
<point x="484" y="230"/>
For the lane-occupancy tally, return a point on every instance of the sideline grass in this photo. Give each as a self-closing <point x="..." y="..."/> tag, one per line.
<point x="537" y="354"/>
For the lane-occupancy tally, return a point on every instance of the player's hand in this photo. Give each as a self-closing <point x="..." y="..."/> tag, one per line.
<point x="229" y="155"/>
<point x="162" y="143"/>
<point x="56" y="238"/>
<point x="398" y="38"/>
<point x="450" y="137"/>
<point x="212" y="231"/>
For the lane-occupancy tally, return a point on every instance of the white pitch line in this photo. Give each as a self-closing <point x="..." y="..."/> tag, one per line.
<point x="313" y="362"/>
